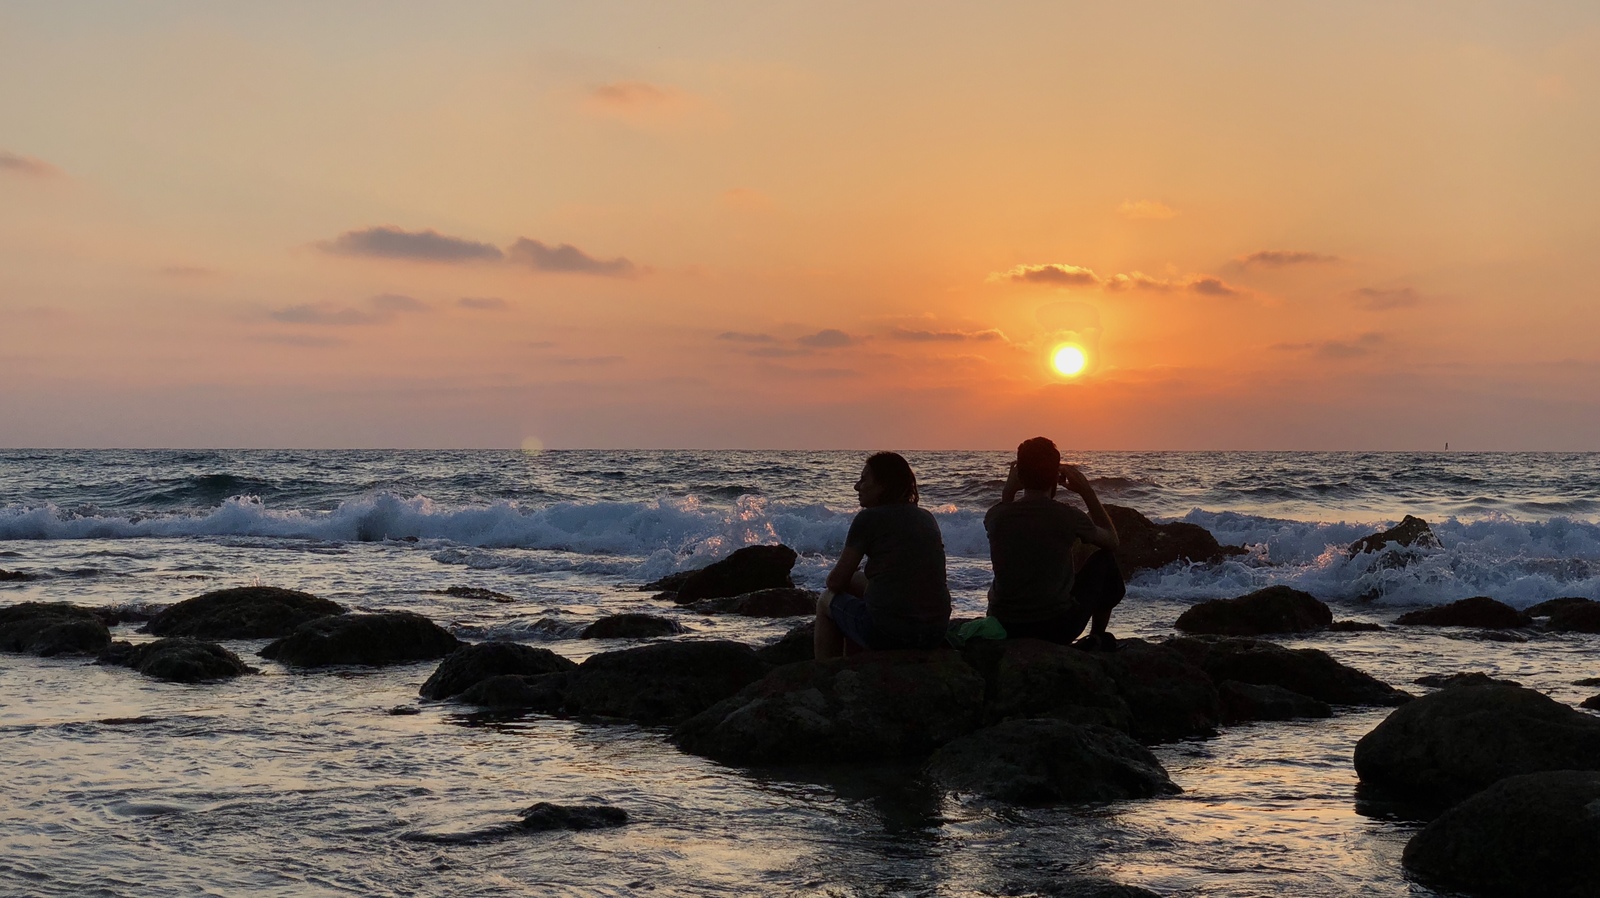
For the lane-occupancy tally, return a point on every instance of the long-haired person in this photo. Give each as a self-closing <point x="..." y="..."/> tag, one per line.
<point x="900" y="600"/>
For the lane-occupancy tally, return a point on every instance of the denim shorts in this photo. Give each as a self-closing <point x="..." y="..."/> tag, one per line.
<point x="850" y="615"/>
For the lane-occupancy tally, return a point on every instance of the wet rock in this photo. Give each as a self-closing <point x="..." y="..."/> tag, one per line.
<point x="1592" y="703"/>
<point x="1531" y="835"/>
<point x="870" y="706"/>
<point x="1276" y="609"/>
<point x="476" y="592"/>
<point x="1309" y="672"/>
<point x="542" y="693"/>
<point x="631" y="626"/>
<point x="125" y="614"/>
<point x="1167" y="696"/>
<point x="1033" y="678"/>
<point x="662" y="683"/>
<point x="1242" y="702"/>
<point x="1411" y="531"/>
<point x="1037" y="762"/>
<point x="245" y="612"/>
<point x="1577" y="618"/>
<point x="471" y="664"/>
<point x="1146" y="544"/>
<point x="177" y="659"/>
<point x="747" y="570"/>
<point x="779" y="602"/>
<point x="404" y="711"/>
<point x="799" y="644"/>
<point x="1551" y="606"/>
<point x="1451" y="743"/>
<point x="16" y="576"/>
<point x="372" y="640"/>
<point x="1474" y="678"/>
<point x="547" y="816"/>
<point x="1354" y="626"/>
<point x="48" y="629"/>
<point x="1079" y="887"/>
<point x="1587" y="681"/>
<point x="1479" y="611"/>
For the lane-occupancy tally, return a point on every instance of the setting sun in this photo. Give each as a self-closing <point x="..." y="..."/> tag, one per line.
<point x="1069" y="360"/>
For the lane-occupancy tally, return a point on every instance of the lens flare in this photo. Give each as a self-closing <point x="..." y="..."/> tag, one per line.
<point x="1069" y="360"/>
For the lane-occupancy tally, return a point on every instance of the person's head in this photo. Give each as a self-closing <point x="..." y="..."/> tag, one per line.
<point x="886" y="479"/>
<point x="1038" y="464"/>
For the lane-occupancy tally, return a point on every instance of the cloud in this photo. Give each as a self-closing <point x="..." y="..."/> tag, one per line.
<point x="1382" y="300"/>
<point x="187" y="272"/>
<point x="27" y="166"/>
<point x="378" y="310"/>
<point x="741" y="337"/>
<point x="776" y="352"/>
<point x="1146" y="209"/>
<point x="567" y="258"/>
<point x="1278" y="258"/>
<point x="921" y="336"/>
<point x="628" y="95"/>
<point x="1205" y="285"/>
<point x="1209" y="286"/>
<point x="303" y="340"/>
<point x="482" y="303"/>
<point x="389" y="242"/>
<point x="1062" y="275"/>
<point x="1338" y="350"/>
<point x="830" y="338"/>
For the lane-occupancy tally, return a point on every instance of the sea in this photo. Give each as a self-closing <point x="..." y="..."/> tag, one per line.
<point x="305" y="784"/>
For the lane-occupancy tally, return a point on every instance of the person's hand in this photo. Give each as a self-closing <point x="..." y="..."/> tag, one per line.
<point x="1073" y="479"/>
<point x="1013" y="484"/>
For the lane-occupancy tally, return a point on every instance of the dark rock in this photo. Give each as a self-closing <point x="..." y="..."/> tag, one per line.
<point x="373" y="640"/>
<point x="16" y="576"/>
<point x="47" y="629"/>
<point x="779" y="602"/>
<point x="124" y="614"/>
<point x="1592" y="703"/>
<point x="1146" y="544"/>
<point x="1475" y="678"/>
<point x="631" y="626"/>
<point x="1242" y="702"/>
<point x="1478" y="611"/>
<point x="404" y="711"/>
<point x="1536" y="835"/>
<point x="1488" y="636"/>
<point x="1033" y="678"/>
<point x="1276" y="609"/>
<point x="799" y="644"/>
<point x="870" y="706"/>
<point x="546" y="816"/>
<point x="667" y="586"/>
<point x="1039" y="762"/>
<point x="471" y="664"/>
<point x="476" y="592"/>
<point x="747" y="570"/>
<point x="1354" y="626"/>
<point x="662" y="683"/>
<point x="542" y="693"/>
<point x="177" y="659"/>
<point x="1079" y="887"/>
<point x="1451" y="743"/>
<point x="1411" y="531"/>
<point x="1307" y="671"/>
<point x="245" y="612"/>
<point x="1551" y="606"/>
<point x="1587" y="681"/>
<point x="1583" y="618"/>
<point x="1167" y="696"/>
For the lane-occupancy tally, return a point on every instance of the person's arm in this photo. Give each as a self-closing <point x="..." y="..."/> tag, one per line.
<point x="839" y="578"/>
<point x="1013" y="485"/>
<point x="1105" y="532"/>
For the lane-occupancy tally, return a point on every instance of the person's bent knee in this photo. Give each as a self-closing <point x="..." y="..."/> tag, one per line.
<point x="824" y="602"/>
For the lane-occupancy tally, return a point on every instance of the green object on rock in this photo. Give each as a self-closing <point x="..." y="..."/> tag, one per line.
<point x="982" y="628"/>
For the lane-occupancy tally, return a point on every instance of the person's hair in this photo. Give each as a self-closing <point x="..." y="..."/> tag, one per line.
<point x="1038" y="463"/>
<point x="893" y="474"/>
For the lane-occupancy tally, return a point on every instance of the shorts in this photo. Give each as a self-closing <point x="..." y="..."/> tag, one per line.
<point x="849" y="613"/>
<point x="1098" y="588"/>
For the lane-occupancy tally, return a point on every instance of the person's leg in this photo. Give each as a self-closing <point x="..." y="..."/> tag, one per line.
<point x="1097" y="588"/>
<point x="828" y="640"/>
<point x="842" y="627"/>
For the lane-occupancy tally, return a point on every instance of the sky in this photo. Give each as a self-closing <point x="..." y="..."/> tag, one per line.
<point x="1267" y="225"/>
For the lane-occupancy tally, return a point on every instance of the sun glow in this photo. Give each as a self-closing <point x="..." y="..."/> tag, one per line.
<point x="1069" y="360"/>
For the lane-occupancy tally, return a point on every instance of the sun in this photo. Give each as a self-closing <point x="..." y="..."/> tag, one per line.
<point x="1069" y="360"/>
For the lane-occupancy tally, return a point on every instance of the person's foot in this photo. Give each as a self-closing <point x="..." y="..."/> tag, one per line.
<point x="1098" y="642"/>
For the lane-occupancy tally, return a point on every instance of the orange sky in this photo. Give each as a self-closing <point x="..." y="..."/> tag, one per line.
<point x="1271" y="225"/>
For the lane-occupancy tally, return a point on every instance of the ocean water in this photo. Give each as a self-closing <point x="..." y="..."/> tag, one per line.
<point x="303" y="784"/>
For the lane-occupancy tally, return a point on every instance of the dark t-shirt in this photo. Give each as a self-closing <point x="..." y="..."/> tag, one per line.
<point x="1030" y="546"/>
<point x="906" y="589"/>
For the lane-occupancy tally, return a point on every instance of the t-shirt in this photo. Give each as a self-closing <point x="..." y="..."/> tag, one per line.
<point x="906" y="589"/>
<point x="1030" y="546"/>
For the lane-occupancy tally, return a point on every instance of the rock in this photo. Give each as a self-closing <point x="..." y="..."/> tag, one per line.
<point x="1476" y="678"/>
<point x="1242" y="702"/>
<point x="177" y="659"/>
<point x="471" y="664"/>
<point x="1551" y="606"/>
<point x="871" y="706"/>
<point x="1532" y="835"/>
<point x="475" y="592"/>
<point x="1146" y="544"/>
<point x="542" y="693"/>
<point x="547" y="816"/>
<point x="1587" y="681"/>
<point x="631" y="626"/>
<point x="1451" y="743"/>
<point x="799" y="644"/>
<point x="667" y="587"/>
<point x="1276" y="609"/>
<point x="1033" y="678"/>
<point x="1592" y="703"/>
<point x="1167" y="696"/>
<point x="48" y="629"/>
<point x="1309" y="672"/>
<point x="1037" y="762"/>
<point x="124" y="614"/>
<point x="245" y="612"/>
<point x="1079" y="887"/>
<point x="1478" y="611"/>
<point x="779" y="602"/>
<point x="1584" y="618"/>
<point x="16" y="576"/>
<point x="404" y="711"/>
<point x="1354" y="626"/>
<point x="373" y="640"/>
<point x="1411" y="531"/>
<point x="747" y="570"/>
<point x="662" y="683"/>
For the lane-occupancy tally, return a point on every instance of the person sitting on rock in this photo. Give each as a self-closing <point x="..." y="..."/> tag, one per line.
<point x="1037" y="591"/>
<point x="901" y="600"/>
